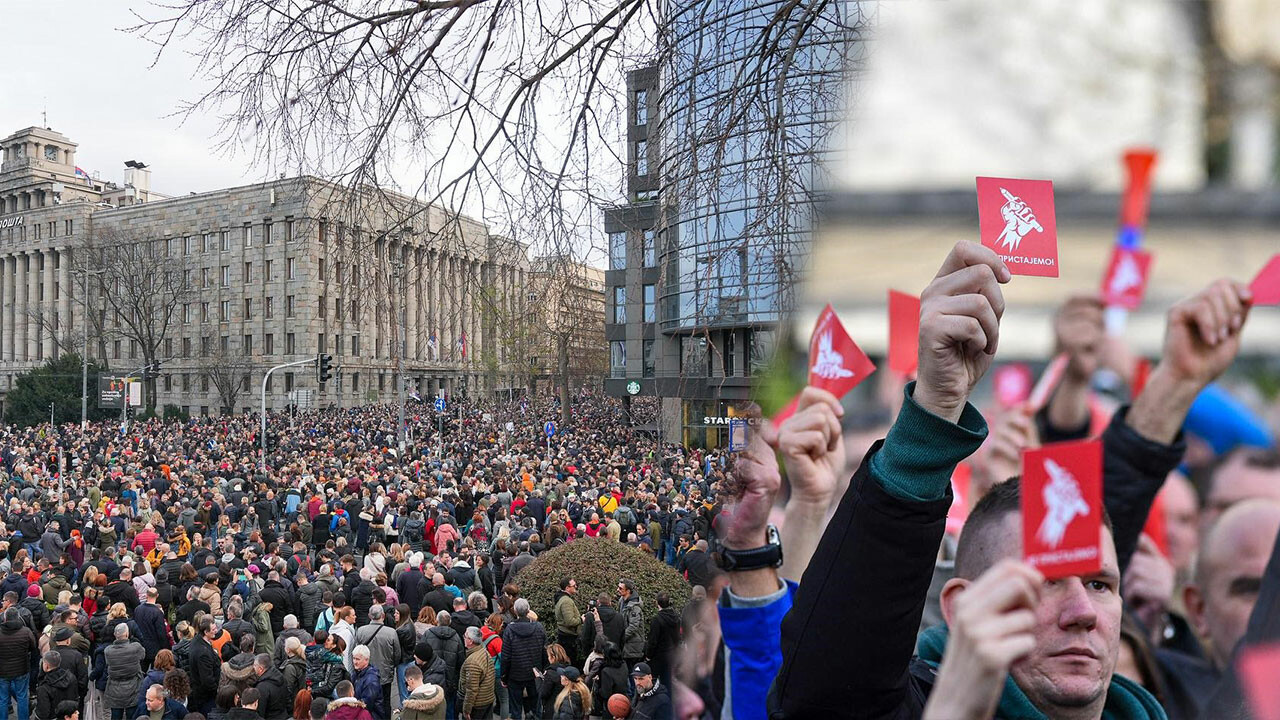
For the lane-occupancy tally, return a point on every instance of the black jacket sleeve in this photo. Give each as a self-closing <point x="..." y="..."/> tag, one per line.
<point x="858" y="607"/>
<point x="1133" y="470"/>
<point x="1264" y="628"/>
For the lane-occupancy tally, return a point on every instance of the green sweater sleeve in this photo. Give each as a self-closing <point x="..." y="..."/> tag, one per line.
<point x="922" y="450"/>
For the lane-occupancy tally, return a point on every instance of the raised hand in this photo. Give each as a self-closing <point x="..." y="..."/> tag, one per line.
<point x="812" y="447"/>
<point x="959" y="328"/>
<point x="991" y="625"/>
<point x="1078" y="331"/>
<point x="1202" y="337"/>
<point x="757" y="479"/>
<point x="1001" y="456"/>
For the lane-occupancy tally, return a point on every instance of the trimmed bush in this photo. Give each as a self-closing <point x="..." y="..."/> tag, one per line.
<point x="597" y="564"/>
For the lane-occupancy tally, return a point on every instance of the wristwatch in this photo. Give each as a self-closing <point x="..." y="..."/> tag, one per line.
<point x="766" y="556"/>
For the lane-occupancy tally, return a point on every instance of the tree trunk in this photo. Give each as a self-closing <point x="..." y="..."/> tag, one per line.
<point x="562" y="368"/>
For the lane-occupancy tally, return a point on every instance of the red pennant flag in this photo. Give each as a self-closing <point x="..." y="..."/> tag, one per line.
<point x="1016" y="219"/>
<point x="1012" y="384"/>
<point x="904" y="332"/>
<point x="1062" y="508"/>
<point x="1266" y="286"/>
<point x="836" y="363"/>
<point x="1125" y="282"/>
<point x="1137" y="192"/>
<point x="1259" y="666"/>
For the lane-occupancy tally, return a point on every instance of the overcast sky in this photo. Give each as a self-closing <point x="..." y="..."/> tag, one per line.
<point x="73" y="59"/>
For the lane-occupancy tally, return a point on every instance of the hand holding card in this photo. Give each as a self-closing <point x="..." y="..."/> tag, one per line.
<point x="1016" y="219"/>
<point x="1266" y="286"/>
<point x="1062" y="508"/>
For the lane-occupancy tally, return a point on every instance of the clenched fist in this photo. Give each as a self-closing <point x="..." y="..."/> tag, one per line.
<point x="959" y="328"/>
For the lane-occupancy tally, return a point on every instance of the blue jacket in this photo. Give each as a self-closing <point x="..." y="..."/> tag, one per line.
<point x="369" y="690"/>
<point x="173" y="710"/>
<point x="752" y="656"/>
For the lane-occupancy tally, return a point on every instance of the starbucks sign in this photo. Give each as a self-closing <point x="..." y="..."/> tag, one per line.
<point x="633" y="388"/>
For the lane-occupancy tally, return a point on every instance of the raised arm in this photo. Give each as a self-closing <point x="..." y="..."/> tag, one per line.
<point x="850" y="635"/>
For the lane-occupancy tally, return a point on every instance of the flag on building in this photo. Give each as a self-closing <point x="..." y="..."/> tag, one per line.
<point x="414" y="394"/>
<point x="82" y="174"/>
<point x="462" y="345"/>
<point x="431" y="344"/>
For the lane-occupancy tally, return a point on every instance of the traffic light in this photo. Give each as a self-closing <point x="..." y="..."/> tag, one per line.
<point x="151" y="371"/>
<point x="325" y="367"/>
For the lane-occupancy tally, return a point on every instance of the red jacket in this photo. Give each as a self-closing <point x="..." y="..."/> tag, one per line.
<point x="146" y="540"/>
<point x="347" y="709"/>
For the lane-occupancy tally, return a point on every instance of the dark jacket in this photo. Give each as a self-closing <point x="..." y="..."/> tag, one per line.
<point x="73" y="661"/>
<point x="294" y="671"/>
<point x="549" y="687"/>
<point x="408" y="590"/>
<point x="324" y="671"/>
<point x="613" y="622"/>
<point x="173" y="710"/>
<point x="664" y="638"/>
<point x="878" y="556"/>
<point x="153" y="631"/>
<point x="447" y="645"/>
<point x="123" y="660"/>
<point x="281" y="605"/>
<point x="523" y="644"/>
<point x="439" y="599"/>
<point x="206" y="668"/>
<point x="310" y="603"/>
<point x="463" y="619"/>
<point x="362" y="600"/>
<point x="369" y="691"/>
<point x="276" y="702"/>
<point x="17" y="648"/>
<point x="655" y="704"/>
<point x="39" y="613"/>
<point x="53" y="688"/>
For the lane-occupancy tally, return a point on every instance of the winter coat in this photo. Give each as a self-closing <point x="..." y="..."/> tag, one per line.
<point x="447" y="645"/>
<point x="205" y="669"/>
<point x="347" y="708"/>
<point x="408" y="590"/>
<point x="262" y="628"/>
<point x="477" y="685"/>
<point x="324" y="671"/>
<point x="664" y="638"/>
<point x="153" y="631"/>
<point x="310" y="603"/>
<point x="295" y="676"/>
<point x="384" y="649"/>
<point x="53" y="688"/>
<point x="362" y="600"/>
<point x="238" y="672"/>
<point x="281" y="603"/>
<point x="549" y="687"/>
<point x="652" y="705"/>
<point x="613" y="623"/>
<point x="276" y="702"/>
<point x="124" y="673"/>
<point x="369" y="690"/>
<point x="611" y="679"/>
<point x="568" y="618"/>
<point x="17" y="646"/>
<point x="39" y="612"/>
<point x="523" y="643"/>
<point x="425" y="703"/>
<point x="633" y="636"/>
<point x="570" y="709"/>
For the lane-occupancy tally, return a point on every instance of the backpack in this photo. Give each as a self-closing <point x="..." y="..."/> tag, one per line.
<point x="497" y="659"/>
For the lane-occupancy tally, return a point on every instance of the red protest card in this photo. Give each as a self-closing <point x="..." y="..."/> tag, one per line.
<point x="1048" y="382"/>
<point x="904" y="332"/>
<point x="1012" y="384"/>
<point x="1061" y="508"/>
<point x="1016" y="219"/>
<point x="836" y="363"/>
<point x="1266" y="286"/>
<point x="1156" y="527"/>
<point x="959" y="511"/>
<point x="1125" y="282"/>
<point x="1259" y="666"/>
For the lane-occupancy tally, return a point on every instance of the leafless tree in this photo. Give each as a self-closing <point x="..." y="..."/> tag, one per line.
<point x="513" y="107"/>
<point x="228" y="372"/>
<point x="136" y="289"/>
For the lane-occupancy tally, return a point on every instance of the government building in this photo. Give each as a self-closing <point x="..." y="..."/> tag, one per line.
<point x="229" y="283"/>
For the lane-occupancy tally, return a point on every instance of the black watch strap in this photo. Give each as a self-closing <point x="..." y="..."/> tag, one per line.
<point x="766" y="556"/>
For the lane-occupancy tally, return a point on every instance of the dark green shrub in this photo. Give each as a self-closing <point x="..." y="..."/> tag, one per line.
<point x="597" y="564"/>
<point x="173" y="412"/>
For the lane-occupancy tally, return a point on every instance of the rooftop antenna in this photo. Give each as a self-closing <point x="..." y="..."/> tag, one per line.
<point x="44" y="114"/>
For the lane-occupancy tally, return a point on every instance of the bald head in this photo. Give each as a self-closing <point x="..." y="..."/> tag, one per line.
<point x="1228" y="573"/>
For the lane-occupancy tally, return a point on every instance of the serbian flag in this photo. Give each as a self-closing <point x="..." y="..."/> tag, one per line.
<point x="462" y="345"/>
<point x="82" y="174"/>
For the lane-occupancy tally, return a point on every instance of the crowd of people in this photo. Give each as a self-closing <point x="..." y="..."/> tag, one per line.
<point x="170" y="571"/>
<point x="903" y="592"/>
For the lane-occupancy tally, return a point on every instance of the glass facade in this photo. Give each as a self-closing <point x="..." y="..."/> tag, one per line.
<point x="742" y="131"/>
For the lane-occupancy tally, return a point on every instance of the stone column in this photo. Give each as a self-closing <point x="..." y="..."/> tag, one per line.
<point x="6" y="305"/>
<point x="66" y="325"/>
<point x="443" y="308"/>
<point x="26" y="275"/>
<point x="48" y="307"/>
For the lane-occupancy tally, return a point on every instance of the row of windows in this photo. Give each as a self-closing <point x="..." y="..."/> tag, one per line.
<point x="620" y="304"/>
<point x="618" y="359"/>
<point x="220" y="240"/>
<point x="246" y="273"/>
<point x="40" y="231"/>
<point x="618" y="249"/>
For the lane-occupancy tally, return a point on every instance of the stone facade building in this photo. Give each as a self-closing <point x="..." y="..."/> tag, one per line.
<point x="270" y="273"/>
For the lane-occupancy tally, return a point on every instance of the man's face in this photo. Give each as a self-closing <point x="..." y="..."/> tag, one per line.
<point x="1237" y="481"/>
<point x="573" y="587"/>
<point x="1077" y="631"/>
<point x="361" y="662"/>
<point x="644" y="683"/>
<point x="154" y="701"/>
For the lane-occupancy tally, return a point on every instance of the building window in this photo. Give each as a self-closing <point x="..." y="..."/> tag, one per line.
<point x="266" y="272"/>
<point x="324" y="233"/>
<point x="642" y="157"/>
<point x="268" y="307"/>
<point x="168" y="383"/>
<point x="337" y="344"/>
<point x="186" y="353"/>
<point x="204" y="387"/>
<point x="247" y="345"/>
<point x="248" y="308"/>
<point x="224" y="241"/>
<point x="186" y="313"/>
<point x="204" y="277"/>
<point x="730" y="348"/>
<point x="206" y="346"/>
<point x="266" y="233"/>
<point x="288" y="268"/>
<point x="288" y="344"/>
<point x="617" y="250"/>
<point x="288" y="306"/>
<point x="206" y="242"/>
<point x="320" y="343"/>
<point x="650" y="305"/>
<point x="248" y="273"/>
<point x="247" y="235"/>
<point x="288" y="382"/>
<point x="618" y="358"/>
<point x="186" y="245"/>
<point x="650" y="252"/>
<point x="321" y="307"/>
<point x="224" y="344"/>
<point x="168" y="347"/>
<point x="186" y="382"/>
<point x="269" y="344"/>
<point x="288" y="231"/>
<point x="224" y="311"/>
<point x="226" y="275"/>
<point x="620" y="304"/>
<point x="648" y="358"/>
<point x="355" y="382"/>
<point x="323" y="276"/>
<point x="355" y="345"/>
<point x="204" y="312"/>
<point x="642" y="107"/>
<point x="68" y="227"/>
